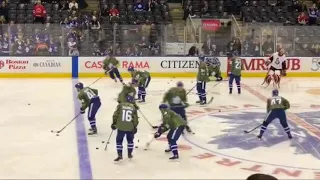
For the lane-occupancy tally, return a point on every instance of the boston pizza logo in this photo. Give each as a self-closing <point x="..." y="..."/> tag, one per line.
<point x="2" y="64"/>
<point x="315" y="64"/>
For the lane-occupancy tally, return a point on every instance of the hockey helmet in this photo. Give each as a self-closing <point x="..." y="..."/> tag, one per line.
<point x="79" y="85"/>
<point x="130" y="99"/>
<point x="130" y="69"/>
<point x="275" y="92"/>
<point x="163" y="106"/>
<point x="179" y="84"/>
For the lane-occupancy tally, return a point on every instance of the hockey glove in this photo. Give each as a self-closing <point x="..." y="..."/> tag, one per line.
<point x="113" y="127"/>
<point x="135" y="130"/>
<point x="157" y="134"/>
<point x="82" y="111"/>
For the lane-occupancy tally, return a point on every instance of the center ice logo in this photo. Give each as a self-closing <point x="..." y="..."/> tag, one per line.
<point x="234" y="137"/>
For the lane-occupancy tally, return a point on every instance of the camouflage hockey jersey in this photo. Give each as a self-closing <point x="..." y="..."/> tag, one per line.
<point x="85" y="95"/>
<point x="141" y="77"/>
<point x="277" y="102"/>
<point x="213" y="64"/>
<point x="171" y="120"/>
<point x="236" y="66"/>
<point x="175" y="96"/>
<point x="126" y="90"/>
<point x="203" y="72"/>
<point x="109" y="63"/>
<point x="125" y="117"/>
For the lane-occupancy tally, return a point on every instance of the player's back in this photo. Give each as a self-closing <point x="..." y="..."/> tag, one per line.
<point x="88" y="94"/>
<point x="173" y="119"/>
<point x="236" y="66"/>
<point x="202" y="72"/>
<point x="126" y="117"/>
<point x="174" y="96"/>
<point x="277" y="102"/>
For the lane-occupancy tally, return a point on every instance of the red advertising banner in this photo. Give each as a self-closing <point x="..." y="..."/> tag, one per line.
<point x="211" y="24"/>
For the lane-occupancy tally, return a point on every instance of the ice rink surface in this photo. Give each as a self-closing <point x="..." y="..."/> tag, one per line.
<point x="30" y="108"/>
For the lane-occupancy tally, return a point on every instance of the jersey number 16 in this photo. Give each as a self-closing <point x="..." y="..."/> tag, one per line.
<point x="126" y="115"/>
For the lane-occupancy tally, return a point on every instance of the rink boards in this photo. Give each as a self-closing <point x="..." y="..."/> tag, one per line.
<point x="166" y="67"/>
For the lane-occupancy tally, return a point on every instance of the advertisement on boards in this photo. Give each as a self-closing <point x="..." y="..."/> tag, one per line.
<point x="211" y="24"/>
<point x="12" y="64"/>
<point x="315" y="66"/>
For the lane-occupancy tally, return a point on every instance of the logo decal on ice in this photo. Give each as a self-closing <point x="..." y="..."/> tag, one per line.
<point x="234" y="137"/>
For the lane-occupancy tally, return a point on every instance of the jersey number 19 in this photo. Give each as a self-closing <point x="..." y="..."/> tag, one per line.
<point x="126" y="115"/>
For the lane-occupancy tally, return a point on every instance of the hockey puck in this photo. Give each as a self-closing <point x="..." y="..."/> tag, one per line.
<point x="219" y="110"/>
<point x="29" y="104"/>
<point x="97" y="148"/>
<point x="57" y="134"/>
<point x="145" y="149"/>
<point x="102" y="141"/>
<point x="52" y="131"/>
<point x="136" y="146"/>
<point x="138" y="140"/>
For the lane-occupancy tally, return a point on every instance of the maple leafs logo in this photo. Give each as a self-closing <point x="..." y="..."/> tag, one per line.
<point x="234" y="137"/>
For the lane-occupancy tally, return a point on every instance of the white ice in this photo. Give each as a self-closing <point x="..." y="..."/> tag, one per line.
<point x="29" y="150"/>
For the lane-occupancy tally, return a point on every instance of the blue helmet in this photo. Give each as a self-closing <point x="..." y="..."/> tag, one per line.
<point x="163" y="106"/>
<point x="275" y="92"/>
<point x="130" y="69"/>
<point x="79" y="85"/>
<point x="179" y="84"/>
<point x="134" y="81"/>
<point x="130" y="99"/>
<point x="201" y="58"/>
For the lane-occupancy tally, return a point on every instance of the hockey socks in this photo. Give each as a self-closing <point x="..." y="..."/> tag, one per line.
<point x="130" y="147"/>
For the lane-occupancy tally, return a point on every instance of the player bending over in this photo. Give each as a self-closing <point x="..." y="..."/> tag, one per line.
<point x="89" y="98"/>
<point x="127" y="90"/>
<point x="125" y="119"/>
<point x="176" y="97"/>
<point x="213" y="64"/>
<point x="202" y="79"/>
<point x="110" y="65"/>
<point x="276" y="106"/>
<point x="277" y="68"/>
<point x="175" y="124"/>
<point x="235" y="73"/>
<point x="143" y="78"/>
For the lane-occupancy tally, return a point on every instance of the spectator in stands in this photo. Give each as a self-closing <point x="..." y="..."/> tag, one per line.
<point x="73" y="48"/>
<point x="105" y="10"/>
<point x="193" y="51"/>
<point x="237" y="45"/>
<point x="207" y="45"/>
<point x="39" y="13"/>
<point x="4" y="11"/>
<point x="146" y="28"/>
<point x="187" y="12"/>
<point x="29" y="47"/>
<point x="113" y="12"/>
<point x="272" y="2"/>
<point x="73" y="6"/>
<point x="313" y="14"/>
<point x="268" y="47"/>
<point x="247" y="46"/>
<point x="204" y="8"/>
<point x="63" y="5"/>
<point x="151" y="5"/>
<point x="302" y="18"/>
<point x="256" y="46"/>
<point x="138" y="7"/>
<point x="95" y="28"/>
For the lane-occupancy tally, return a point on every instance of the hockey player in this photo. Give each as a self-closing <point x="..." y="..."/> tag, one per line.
<point x="213" y="64"/>
<point x="110" y="65"/>
<point x="125" y="119"/>
<point x="202" y="79"/>
<point x="176" y="97"/>
<point x="175" y="124"/>
<point x="277" y="68"/>
<point x="127" y="90"/>
<point x="235" y="73"/>
<point x="89" y="98"/>
<point x="276" y="106"/>
<point x="143" y="78"/>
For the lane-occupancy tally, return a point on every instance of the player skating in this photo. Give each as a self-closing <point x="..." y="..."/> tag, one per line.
<point x="89" y="99"/>
<point x="110" y="65"/>
<point x="276" y="106"/>
<point x="202" y="79"/>
<point x="277" y="68"/>
<point x="213" y="64"/>
<point x="175" y="124"/>
<point x="143" y="78"/>
<point x="125" y="119"/>
<point x="176" y="97"/>
<point x="235" y="73"/>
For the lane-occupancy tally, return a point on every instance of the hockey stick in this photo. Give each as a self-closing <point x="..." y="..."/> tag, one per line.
<point x="191" y="89"/>
<point x="108" y="142"/>
<point x="145" y="118"/>
<point x="100" y="78"/>
<point x="246" y="131"/>
<point x="148" y="144"/>
<point x="65" y="125"/>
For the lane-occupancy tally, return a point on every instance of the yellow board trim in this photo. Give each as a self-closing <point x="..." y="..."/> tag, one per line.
<point x="193" y="75"/>
<point x="35" y="75"/>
